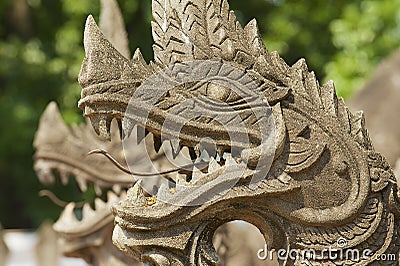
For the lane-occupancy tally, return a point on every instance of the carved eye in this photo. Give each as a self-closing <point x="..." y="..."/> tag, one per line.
<point x="221" y="93"/>
<point x="217" y="92"/>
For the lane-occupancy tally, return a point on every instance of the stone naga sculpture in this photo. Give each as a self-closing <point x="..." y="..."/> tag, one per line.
<point x="62" y="152"/>
<point x="319" y="186"/>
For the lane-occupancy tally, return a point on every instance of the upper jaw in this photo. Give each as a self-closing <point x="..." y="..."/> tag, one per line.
<point x="110" y="83"/>
<point x="110" y="91"/>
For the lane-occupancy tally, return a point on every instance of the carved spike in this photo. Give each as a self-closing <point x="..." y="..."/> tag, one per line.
<point x="52" y="128"/>
<point x="142" y="69"/>
<point x="98" y="190"/>
<point x="344" y="116"/>
<point x="105" y="126"/>
<point x="45" y="175"/>
<point x="229" y="160"/>
<point x="111" y="197"/>
<point x="358" y="130"/>
<point x="175" y="147"/>
<point x="254" y="37"/>
<point x="117" y="189"/>
<point x="135" y="195"/>
<point x="97" y="51"/>
<point x="313" y="89"/>
<point x="81" y="183"/>
<point x="138" y="58"/>
<point x="67" y="217"/>
<point x="196" y="175"/>
<point x="329" y="98"/>
<point x="127" y="127"/>
<point x="87" y="212"/>
<point x="213" y="165"/>
<point x="64" y="177"/>
<point x="163" y="193"/>
<point x="128" y="72"/>
<point x="99" y="204"/>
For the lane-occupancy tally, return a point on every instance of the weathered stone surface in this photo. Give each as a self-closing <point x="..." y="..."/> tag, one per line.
<point x="379" y="98"/>
<point x="320" y="186"/>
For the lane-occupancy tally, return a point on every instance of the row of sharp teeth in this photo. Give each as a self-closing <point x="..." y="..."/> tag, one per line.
<point x="102" y="125"/>
<point x="68" y="216"/>
<point x="47" y="173"/>
<point x="198" y="174"/>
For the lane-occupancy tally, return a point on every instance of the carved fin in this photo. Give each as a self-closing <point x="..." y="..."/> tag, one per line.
<point x="185" y="30"/>
<point x="171" y="42"/>
<point x="329" y="98"/>
<point x="51" y="119"/>
<point x="344" y="116"/>
<point x="254" y="38"/>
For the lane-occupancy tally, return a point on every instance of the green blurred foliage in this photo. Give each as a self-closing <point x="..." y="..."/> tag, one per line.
<point x="41" y="51"/>
<point x="366" y="32"/>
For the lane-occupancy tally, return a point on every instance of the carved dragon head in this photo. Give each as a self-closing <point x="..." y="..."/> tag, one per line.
<point x="321" y="180"/>
<point x="61" y="153"/>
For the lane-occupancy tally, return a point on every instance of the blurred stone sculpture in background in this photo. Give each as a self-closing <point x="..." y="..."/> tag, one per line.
<point x="47" y="248"/>
<point x="62" y="151"/>
<point x="379" y="98"/>
<point x="3" y="248"/>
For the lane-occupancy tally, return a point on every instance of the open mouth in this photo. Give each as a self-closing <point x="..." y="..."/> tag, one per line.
<point x="185" y="167"/>
<point x="62" y="154"/>
<point x="196" y="173"/>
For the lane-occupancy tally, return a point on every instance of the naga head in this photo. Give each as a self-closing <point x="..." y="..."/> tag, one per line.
<point x="264" y="142"/>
